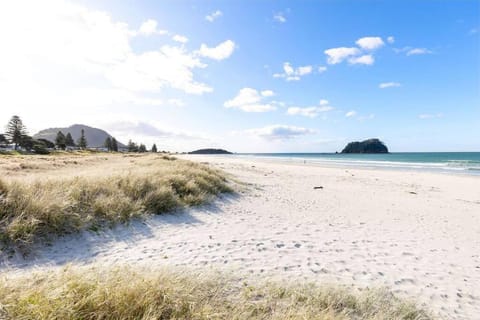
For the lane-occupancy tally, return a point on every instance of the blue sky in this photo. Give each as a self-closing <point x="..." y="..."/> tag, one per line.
<point x="248" y="76"/>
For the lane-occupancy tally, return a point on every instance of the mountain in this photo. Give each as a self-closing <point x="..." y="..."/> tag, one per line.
<point x="95" y="137"/>
<point x="210" y="151"/>
<point x="366" y="146"/>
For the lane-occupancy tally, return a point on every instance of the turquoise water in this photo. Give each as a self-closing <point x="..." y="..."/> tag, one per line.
<point x="460" y="162"/>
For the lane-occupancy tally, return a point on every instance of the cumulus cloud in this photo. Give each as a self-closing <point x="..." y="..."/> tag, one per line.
<point x="384" y="85"/>
<point x="351" y="113"/>
<point x="293" y="74"/>
<point x="213" y="16"/>
<point x="279" y="132"/>
<point x="180" y="38"/>
<point x="337" y="55"/>
<point x="153" y="70"/>
<point x="311" y="112"/>
<point x="370" y="43"/>
<point x="363" y="54"/>
<point x="149" y="27"/>
<point x="279" y="17"/>
<point x="250" y="100"/>
<point x="220" y="52"/>
<point x="102" y="53"/>
<point x="367" y="59"/>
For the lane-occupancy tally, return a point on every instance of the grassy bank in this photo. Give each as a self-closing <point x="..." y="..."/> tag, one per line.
<point x="41" y="197"/>
<point x="123" y="293"/>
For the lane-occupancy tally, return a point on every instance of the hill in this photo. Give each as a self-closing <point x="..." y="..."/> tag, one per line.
<point x="210" y="151"/>
<point x="95" y="137"/>
<point x="366" y="146"/>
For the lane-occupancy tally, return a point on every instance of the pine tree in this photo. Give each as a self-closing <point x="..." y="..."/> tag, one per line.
<point x="60" y="140"/>
<point x="142" y="148"/>
<point x="114" y="145"/>
<point x="82" y="141"/>
<point x="3" y="139"/>
<point x="15" y="131"/>
<point x="132" y="146"/>
<point x="69" y="140"/>
<point x="154" y="148"/>
<point x="108" y="144"/>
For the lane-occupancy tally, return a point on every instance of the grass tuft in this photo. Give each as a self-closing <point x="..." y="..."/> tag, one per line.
<point x="125" y="293"/>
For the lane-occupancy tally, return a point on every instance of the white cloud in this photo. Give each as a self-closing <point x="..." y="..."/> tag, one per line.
<point x="473" y="31"/>
<point x="149" y="27"/>
<point x="311" y="112"/>
<point x="337" y="55"/>
<point x="384" y="85"/>
<point x="322" y="69"/>
<point x="367" y="59"/>
<point x="352" y="114"/>
<point x="293" y="74"/>
<point x="102" y="53"/>
<point x="220" y="52"/>
<point x="213" y="16"/>
<point x="250" y="100"/>
<point x="180" y="38"/>
<point x="267" y="93"/>
<point x="279" y="132"/>
<point x="430" y="116"/>
<point x="391" y="39"/>
<point x="370" y="43"/>
<point x="417" y="51"/>
<point x="279" y="17"/>
<point x="153" y="70"/>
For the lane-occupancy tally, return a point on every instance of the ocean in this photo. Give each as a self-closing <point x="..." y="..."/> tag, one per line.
<point x="446" y="162"/>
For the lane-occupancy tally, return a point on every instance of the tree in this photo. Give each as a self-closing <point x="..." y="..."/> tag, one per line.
<point x="28" y="142"/>
<point x="82" y="141"/>
<point x="15" y="131"/>
<point x="132" y="146"/>
<point x="108" y="144"/>
<point x="114" y="145"/>
<point x="3" y="139"/>
<point x="60" y="140"/>
<point x="69" y="140"/>
<point x="47" y="143"/>
<point x="142" y="148"/>
<point x="154" y="148"/>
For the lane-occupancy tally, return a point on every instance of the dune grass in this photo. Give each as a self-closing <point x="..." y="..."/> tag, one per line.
<point x="50" y="196"/>
<point x="125" y="293"/>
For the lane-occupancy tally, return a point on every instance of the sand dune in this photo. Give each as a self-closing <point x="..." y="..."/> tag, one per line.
<point x="416" y="233"/>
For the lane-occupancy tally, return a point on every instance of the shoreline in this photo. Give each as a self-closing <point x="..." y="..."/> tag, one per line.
<point x="357" y="165"/>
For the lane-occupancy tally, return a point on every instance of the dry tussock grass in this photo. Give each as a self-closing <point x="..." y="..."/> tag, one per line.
<point x="125" y="293"/>
<point x="57" y="195"/>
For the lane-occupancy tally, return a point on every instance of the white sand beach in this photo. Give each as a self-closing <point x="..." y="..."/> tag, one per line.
<point x="416" y="233"/>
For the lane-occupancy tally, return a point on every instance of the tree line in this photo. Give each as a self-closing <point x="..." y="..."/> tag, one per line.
<point x="16" y="134"/>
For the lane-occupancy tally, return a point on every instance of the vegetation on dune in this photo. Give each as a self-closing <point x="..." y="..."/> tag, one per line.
<point x="124" y="293"/>
<point x="43" y="207"/>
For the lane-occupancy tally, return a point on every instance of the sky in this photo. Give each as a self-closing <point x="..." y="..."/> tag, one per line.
<point x="247" y="76"/>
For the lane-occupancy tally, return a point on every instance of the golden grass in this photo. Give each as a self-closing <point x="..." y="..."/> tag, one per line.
<point x="44" y="196"/>
<point x="125" y="293"/>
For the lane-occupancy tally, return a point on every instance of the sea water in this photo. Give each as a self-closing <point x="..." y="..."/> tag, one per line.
<point x="459" y="162"/>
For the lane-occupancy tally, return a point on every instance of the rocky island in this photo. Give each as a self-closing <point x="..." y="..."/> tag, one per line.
<point x="366" y="146"/>
<point x="210" y="151"/>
